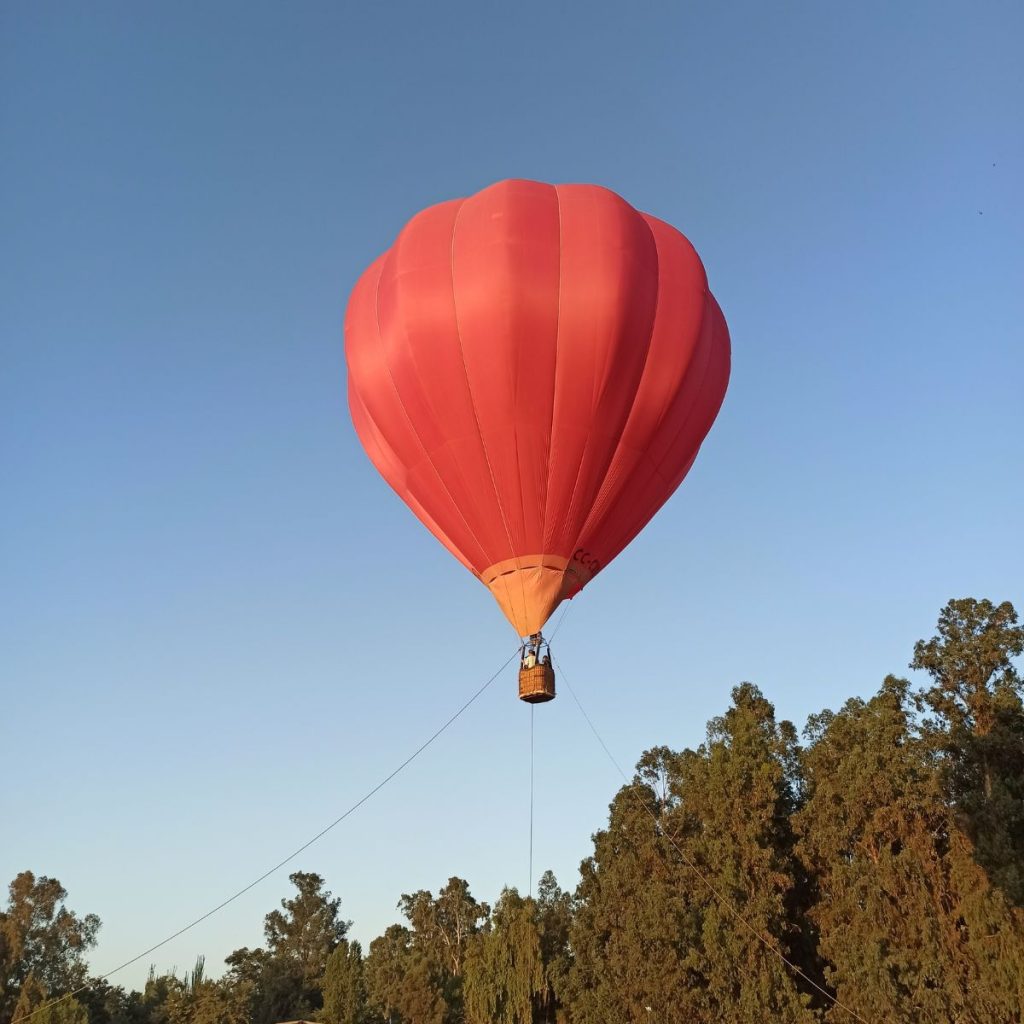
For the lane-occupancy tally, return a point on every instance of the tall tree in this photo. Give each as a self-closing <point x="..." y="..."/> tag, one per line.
<point x="977" y="724"/>
<point x="441" y="930"/>
<point x="554" y="921"/>
<point x="272" y="986"/>
<point x="442" y="927"/>
<point x="284" y="980"/>
<point x="504" y="972"/>
<point x="651" y="941"/>
<point x="909" y="926"/>
<point x="970" y="662"/>
<point x="39" y="936"/>
<point x="344" y="986"/>
<point x="736" y="794"/>
<point x="402" y="985"/>
<point x="627" y="934"/>
<point x="307" y="928"/>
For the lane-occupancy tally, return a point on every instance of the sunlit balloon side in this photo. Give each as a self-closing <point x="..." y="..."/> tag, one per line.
<point x="533" y="369"/>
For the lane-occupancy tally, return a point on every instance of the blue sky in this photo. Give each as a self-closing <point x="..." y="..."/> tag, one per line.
<point x="219" y="628"/>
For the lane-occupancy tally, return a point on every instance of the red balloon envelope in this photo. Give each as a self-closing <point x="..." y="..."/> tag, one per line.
<point x="533" y="370"/>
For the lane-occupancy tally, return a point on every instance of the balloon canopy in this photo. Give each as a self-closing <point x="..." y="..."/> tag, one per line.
<point x="533" y="369"/>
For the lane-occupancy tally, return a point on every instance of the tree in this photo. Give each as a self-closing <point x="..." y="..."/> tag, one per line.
<point x="197" y="999"/>
<point x="159" y="996"/>
<point x="650" y="939"/>
<point x="307" y="929"/>
<point x="40" y="937"/>
<point x="442" y="927"/>
<point x="554" y="921"/>
<point x="736" y="795"/>
<point x="344" y="986"/>
<point x="34" y="1002"/>
<point x="272" y="987"/>
<point x="284" y="980"/>
<point x="909" y="926"/>
<point x="108" y="1004"/>
<point x="977" y="727"/>
<point x="628" y="932"/>
<point x="969" y="660"/>
<point x="504" y="974"/>
<point x="402" y="985"/>
<point x="441" y="930"/>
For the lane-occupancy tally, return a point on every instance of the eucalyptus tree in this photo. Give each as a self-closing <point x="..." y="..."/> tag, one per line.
<point x="41" y="939"/>
<point x="976" y="722"/>
<point x="909" y="925"/>
<point x="685" y="909"/>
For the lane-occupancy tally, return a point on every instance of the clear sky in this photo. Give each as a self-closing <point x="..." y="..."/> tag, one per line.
<point x="219" y="627"/>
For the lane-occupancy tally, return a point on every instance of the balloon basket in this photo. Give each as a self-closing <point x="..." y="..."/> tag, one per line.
<point x="537" y="684"/>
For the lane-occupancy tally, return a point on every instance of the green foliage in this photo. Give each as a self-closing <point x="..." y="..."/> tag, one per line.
<point x="272" y="986"/>
<point x="41" y="938"/>
<point x="504" y="975"/>
<point x="970" y="662"/>
<point x="909" y="925"/>
<point x="307" y="929"/>
<point x="168" y="999"/>
<point x="344" y="986"/>
<point x="109" y="1004"/>
<point x="976" y="725"/>
<point x="651" y="940"/>
<point x="440" y="933"/>
<point x="33" y="1001"/>
<point x="401" y="984"/>
<point x="554" y="911"/>
<point x="283" y="981"/>
<point x="442" y="927"/>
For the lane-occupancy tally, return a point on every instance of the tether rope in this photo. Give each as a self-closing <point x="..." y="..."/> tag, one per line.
<point x="558" y="626"/>
<point x="688" y="862"/>
<point x="280" y="864"/>
<point x="529" y="889"/>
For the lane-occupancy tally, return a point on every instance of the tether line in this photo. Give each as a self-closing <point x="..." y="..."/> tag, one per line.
<point x="280" y="864"/>
<point x="529" y="889"/>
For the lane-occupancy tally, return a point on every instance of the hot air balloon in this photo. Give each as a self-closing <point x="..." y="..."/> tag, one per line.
<point x="533" y="369"/>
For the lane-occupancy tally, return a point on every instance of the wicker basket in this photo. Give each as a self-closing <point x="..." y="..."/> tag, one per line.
<point x="537" y="684"/>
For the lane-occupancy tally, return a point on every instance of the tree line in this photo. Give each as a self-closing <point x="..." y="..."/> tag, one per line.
<point x="871" y="869"/>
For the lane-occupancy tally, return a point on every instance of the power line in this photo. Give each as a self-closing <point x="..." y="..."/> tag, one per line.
<point x="280" y="864"/>
<point x="721" y="900"/>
